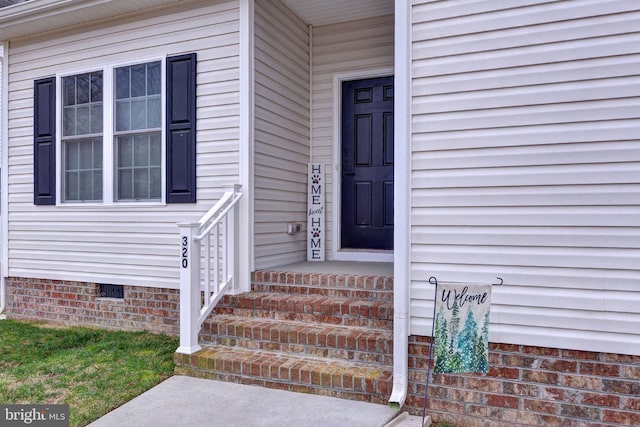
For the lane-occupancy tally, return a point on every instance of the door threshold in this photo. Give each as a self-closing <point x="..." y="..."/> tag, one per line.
<point x="363" y="255"/>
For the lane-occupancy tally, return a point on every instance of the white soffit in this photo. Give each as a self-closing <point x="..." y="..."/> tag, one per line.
<point x="319" y="12"/>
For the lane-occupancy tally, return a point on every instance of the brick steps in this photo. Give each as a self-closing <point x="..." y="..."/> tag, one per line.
<point x="338" y="342"/>
<point x="376" y="288"/>
<point x="310" y="308"/>
<point x="350" y="380"/>
<point x="327" y="334"/>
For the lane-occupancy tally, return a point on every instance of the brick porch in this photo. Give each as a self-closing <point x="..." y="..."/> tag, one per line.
<point x="322" y="333"/>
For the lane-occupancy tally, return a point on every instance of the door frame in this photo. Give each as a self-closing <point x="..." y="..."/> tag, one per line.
<point x="338" y="253"/>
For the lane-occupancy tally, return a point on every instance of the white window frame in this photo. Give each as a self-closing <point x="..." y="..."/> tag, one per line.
<point x="108" y="135"/>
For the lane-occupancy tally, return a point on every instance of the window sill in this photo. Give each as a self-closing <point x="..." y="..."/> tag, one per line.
<point x="93" y="205"/>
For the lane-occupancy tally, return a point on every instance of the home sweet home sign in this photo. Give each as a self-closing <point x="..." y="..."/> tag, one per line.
<point x="315" y="213"/>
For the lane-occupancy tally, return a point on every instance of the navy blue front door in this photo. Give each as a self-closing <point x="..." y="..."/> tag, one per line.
<point x="367" y="164"/>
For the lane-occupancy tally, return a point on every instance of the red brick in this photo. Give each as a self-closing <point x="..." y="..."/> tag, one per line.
<point x="483" y="384"/>
<point x="520" y="389"/>
<point x="621" y="358"/>
<point x="583" y="355"/>
<point x="632" y="372"/>
<point x="513" y="348"/>
<point x="560" y="365"/>
<point x="540" y="406"/>
<point x="495" y="359"/>
<point x="579" y="411"/>
<point x="621" y="417"/>
<point x="517" y="360"/>
<point x="540" y="377"/>
<point x="507" y="373"/>
<point x="461" y="395"/>
<point x="449" y="380"/>
<point x="419" y="349"/>
<point x="600" y="369"/>
<point x="580" y="381"/>
<point x="502" y="401"/>
<point x="446" y="406"/>
<point x="632" y="403"/>
<point x="602" y="400"/>
<point x="437" y="392"/>
<point x="553" y="421"/>
<point x="521" y="418"/>
<point x="541" y="351"/>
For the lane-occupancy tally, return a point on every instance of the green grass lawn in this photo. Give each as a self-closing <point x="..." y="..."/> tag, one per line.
<point x="91" y="370"/>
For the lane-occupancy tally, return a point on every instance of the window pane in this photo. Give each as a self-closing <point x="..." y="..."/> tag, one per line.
<point x="97" y="185"/>
<point x="125" y="151"/>
<point x="83" y="121"/>
<point x="97" y="154"/>
<point x="138" y="80"/>
<point x="96" y="87"/>
<point x="141" y="151"/>
<point x="141" y="183"/>
<point x="96" y="118"/>
<point x="85" y="156"/>
<point x="82" y="89"/>
<point x="156" y="183"/>
<point x="71" y="160"/>
<point x="86" y="185"/>
<point x="69" y="121"/>
<point x="69" y="91"/>
<point x="122" y="116"/>
<point x="153" y="78"/>
<point x="71" y="186"/>
<point x="125" y="184"/>
<point x="154" y="113"/>
<point x="138" y="114"/>
<point x="122" y="83"/>
<point x="155" y="150"/>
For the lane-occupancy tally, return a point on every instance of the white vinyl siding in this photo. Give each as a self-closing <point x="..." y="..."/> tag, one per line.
<point x="281" y="134"/>
<point x="343" y="48"/>
<point x="135" y="244"/>
<point x="526" y="165"/>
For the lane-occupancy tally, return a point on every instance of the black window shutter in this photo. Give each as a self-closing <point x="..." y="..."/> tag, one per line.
<point x="181" y="129"/>
<point x="44" y="142"/>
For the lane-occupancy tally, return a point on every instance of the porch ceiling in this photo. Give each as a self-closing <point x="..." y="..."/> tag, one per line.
<point x="330" y="11"/>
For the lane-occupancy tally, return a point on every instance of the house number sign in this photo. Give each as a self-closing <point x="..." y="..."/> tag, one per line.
<point x="315" y="213"/>
<point x="185" y="252"/>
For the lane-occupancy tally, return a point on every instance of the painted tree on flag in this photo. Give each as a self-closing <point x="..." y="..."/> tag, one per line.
<point x="454" y="359"/>
<point x="467" y="342"/>
<point x="441" y="342"/>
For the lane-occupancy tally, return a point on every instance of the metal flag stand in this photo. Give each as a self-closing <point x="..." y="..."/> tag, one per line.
<point x="434" y="281"/>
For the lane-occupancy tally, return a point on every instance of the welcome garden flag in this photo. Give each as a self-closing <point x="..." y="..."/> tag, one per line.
<point x="461" y="328"/>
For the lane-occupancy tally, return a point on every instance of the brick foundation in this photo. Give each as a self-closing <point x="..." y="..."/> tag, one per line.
<point x="525" y="385"/>
<point x="79" y="303"/>
<point x="530" y="386"/>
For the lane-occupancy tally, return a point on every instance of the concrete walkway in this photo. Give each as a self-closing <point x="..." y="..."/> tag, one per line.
<point x="185" y="401"/>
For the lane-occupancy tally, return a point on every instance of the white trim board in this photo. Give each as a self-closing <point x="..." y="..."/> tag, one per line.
<point x="338" y="253"/>
<point x="247" y="90"/>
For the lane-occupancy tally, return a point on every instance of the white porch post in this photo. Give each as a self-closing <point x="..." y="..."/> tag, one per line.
<point x="189" y="288"/>
<point x="242" y="282"/>
<point x="233" y="247"/>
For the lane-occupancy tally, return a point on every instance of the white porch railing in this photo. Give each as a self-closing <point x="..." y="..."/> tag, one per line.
<point x="208" y="265"/>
